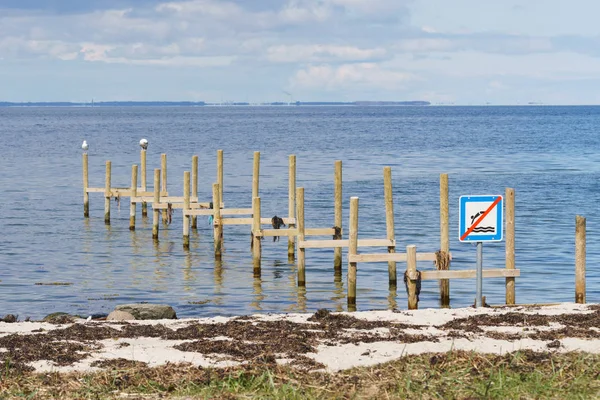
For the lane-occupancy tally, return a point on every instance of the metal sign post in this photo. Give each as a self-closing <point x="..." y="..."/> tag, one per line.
<point x="479" y="287"/>
<point x="480" y="220"/>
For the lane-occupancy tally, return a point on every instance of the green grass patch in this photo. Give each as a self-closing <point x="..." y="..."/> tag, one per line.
<point x="452" y="375"/>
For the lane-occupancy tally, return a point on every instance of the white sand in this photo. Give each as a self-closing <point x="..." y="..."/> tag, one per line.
<point x="155" y="351"/>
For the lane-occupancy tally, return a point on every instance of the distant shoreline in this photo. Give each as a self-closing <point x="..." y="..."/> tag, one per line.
<point x="205" y="104"/>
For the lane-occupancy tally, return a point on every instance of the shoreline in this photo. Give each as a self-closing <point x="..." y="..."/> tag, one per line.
<point x="323" y="341"/>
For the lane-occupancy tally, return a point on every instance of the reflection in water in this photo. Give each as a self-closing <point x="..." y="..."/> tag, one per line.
<point x="159" y="274"/>
<point x="218" y="279"/>
<point x="218" y="274"/>
<point x="301" y="291"/>
<point x="189" y="276"/>
<point x="339" y="297"/>
<point x="392" y="303"/>
<point x="277" y="271"/>
<point x="258" y="294"/>
<point x="136" y="260"/>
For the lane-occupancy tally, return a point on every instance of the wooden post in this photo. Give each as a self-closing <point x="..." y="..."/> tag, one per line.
<point x="132" y="207"/>
<point x="143" y="181"/>
<point x="337" y="215"/>
<point x="156" y="201"/>
<point x="256" y="243"/>
<point x="291" y="202"/>
<point x="389" y="222"/>
<point x="509" y="198"/>
<point x="219" y="203"/>
<point x="301" y="234"/>
<point x="186" y="207"/>
<point x="352" y="249"/>
<point x="411" y="269"/>
<point x="163" y="168"/>
<point x="444" y="237"/>
<point x="194" y="187"/>
<point x="107" y="194"/>
<point x="255" y="174"/>
<point x="86" y="183"/>
<point x="580" y="260"/>
<point x="217" y="223"/>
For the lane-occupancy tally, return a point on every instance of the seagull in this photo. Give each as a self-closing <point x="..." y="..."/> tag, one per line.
<point x="144" y="144"/>
<point x="85" y="146"/>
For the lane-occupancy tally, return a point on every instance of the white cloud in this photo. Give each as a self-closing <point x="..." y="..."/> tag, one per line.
<point x="321" y="53"/>
<point x="350" y="75"/>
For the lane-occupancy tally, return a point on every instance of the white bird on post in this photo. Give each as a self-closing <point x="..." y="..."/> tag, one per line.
<point x="85" y="146"/>
<point x="144" y="144"/>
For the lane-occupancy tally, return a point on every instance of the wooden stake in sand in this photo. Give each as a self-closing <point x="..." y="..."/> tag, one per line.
<point x="86" y="183"/>
<point x="352" y="249"/>
<point x="219" y="204"/>
<point x="133" y="206"/>
<point x="155" y="210"/>
<point x="301" y="235"/>
<point x="291" y="202"/>
<point x="337" y="219"/>
<point x="389" y="222"/>
<point x="217" y="223"/>
<point x="411" y="269"/>
<point x="194" y="187"/>
<point x="143" y="181"/>
<point x="256" y="237"/>
<point x="255" y="174"/>
<point x="444" y="257"/>
<point x="163" y="168"/>
<point x="186" y="206"/>
<point x="107" y="194"/>
<point x="509" y="198"/>
<point x="580" y="259"/>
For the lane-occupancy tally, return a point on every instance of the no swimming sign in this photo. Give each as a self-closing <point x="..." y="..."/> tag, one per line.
<point x="480" y="218"/>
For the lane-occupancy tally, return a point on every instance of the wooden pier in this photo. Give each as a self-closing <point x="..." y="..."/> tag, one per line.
<point x="300" y="237"/>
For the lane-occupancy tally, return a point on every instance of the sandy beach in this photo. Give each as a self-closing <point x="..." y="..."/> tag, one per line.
<point x="322" y="341"/>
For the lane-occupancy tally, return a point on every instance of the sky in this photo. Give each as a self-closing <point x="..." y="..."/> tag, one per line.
<point x="442" y="51"/>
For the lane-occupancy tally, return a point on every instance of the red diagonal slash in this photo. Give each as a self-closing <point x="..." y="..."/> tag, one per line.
<point x="490" y="208"/>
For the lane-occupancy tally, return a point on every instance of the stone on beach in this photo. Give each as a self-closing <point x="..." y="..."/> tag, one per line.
<point x="120" y="316"/>
<point x="148" y="311"/>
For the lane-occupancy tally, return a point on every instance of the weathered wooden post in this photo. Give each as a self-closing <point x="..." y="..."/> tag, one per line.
<point x="156" y="200"/>
<point x="133" y="205"/>
<point x="389" y="222"/>
<point x="107" y="194"/>
<point x="256" y="238"/>
<point x="194" y="187"/>
<point x="86" y="183"/>
<point x="291" y="202"/>
<point x="255" y="174"/>
<point x="509" y="198"/>
<point x="352" y="250"/>
<point x="163" y="168"/>
<point x="143" y="181"/>
<point x="411" y="270"/>
<point x="580" y="259"/>
<point x="219" y="204"/>
<point x="217" y="223"/>
<point x="301" y="235"/>
<point x="337" y="216"/>
<point x="444" y="240"/>
<point x="186" y="207"/>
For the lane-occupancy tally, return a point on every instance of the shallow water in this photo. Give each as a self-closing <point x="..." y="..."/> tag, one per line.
<point x="547" y="154"/>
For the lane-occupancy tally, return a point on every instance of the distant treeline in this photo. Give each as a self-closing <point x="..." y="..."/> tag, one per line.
<point x="202" y="103"/>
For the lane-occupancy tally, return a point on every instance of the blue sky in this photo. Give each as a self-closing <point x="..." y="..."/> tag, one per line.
<point x="451" y="52"/>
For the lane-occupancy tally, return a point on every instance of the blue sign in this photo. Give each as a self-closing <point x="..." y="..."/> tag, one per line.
<point x="480" y="218"/>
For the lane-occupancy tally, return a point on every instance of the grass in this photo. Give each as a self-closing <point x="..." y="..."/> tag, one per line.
<point x="453" y="375"/>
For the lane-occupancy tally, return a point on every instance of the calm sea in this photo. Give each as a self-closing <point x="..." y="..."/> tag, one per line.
<point x="549" y="155"/>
